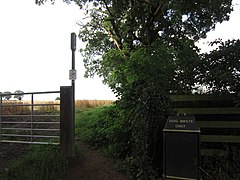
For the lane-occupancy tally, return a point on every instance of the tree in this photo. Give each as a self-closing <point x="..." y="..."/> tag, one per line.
<point x="144" y="50"/>
<point x="18" y="94"/>
<point x="7" y="95"/>
<point x="121" y="27"/>
<point x="125" y="26"/>
<point x="219" y="70"/>
<point x="41" y="2"/>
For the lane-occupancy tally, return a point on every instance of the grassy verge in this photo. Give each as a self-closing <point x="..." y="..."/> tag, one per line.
<point x="92" y="124"/>
<point x="41" y="162"/>
<point x="104" y="128"/>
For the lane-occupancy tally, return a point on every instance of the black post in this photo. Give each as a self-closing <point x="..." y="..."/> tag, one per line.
<point x="73" y="48"/>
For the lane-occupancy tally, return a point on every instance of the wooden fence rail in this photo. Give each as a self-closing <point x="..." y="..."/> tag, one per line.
<point x="218" y="117"/>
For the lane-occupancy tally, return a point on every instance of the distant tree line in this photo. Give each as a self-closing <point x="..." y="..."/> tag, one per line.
<point x="7" y="95"/>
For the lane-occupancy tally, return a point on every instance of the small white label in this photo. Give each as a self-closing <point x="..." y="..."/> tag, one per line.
<point x="72" y="74"/>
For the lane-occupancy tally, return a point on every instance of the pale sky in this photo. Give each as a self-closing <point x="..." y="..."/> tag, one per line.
<point x="35" y="52"/>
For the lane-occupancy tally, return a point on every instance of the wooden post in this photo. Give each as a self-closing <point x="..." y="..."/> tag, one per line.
<point x="67" y="124"/>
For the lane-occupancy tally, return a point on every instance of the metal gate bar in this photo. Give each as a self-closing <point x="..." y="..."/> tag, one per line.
<point x="32" y="117"/>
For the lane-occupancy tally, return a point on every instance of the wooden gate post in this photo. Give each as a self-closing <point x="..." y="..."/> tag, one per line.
<point x="67" y="124"/>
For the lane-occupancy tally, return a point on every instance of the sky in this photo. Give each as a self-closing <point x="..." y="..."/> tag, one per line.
<point x="35" y="52"/>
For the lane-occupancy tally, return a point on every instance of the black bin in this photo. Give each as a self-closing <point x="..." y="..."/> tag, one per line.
<point x="181" y="151"/>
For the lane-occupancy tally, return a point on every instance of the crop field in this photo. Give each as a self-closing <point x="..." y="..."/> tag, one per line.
<point x="8" y="109"/>
<point x="84" y="104"/>
<point x="24" y="107"/>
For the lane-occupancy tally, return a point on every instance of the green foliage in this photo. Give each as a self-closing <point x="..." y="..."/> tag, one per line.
<point x="132" y="135"/>
<point x="157" y="64"/>
<point x="145" y="51"/>
<point x="145" y="118"/>
<point x="122" y="25"/>
<point x="41" y="2"/>
<point x="40" y="163"/>
<point x="224" y="166"/>
<point x="102" y="127"/>
<point x="219" y="70"/>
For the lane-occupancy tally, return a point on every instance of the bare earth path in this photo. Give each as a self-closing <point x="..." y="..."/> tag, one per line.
<point x="88" y="165"/>
<point x="10" y="152"/>
<point x="92" y="165"/>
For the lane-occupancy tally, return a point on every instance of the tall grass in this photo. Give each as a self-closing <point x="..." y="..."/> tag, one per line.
<point x="102" y="127"/>
<point x="84" y="104"/>
<point x="48" y="106"/>
<point x="39" y="163"/>
<point x="11" y="108"/>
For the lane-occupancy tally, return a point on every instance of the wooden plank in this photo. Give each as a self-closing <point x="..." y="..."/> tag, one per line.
<point x="201" y="97"/>
<point x="67" y="130"/>
<point x="218" y="124"/>
<point x="220" y="138"/>
<point x="214" y="152"/>
<point x="220" y="110"/>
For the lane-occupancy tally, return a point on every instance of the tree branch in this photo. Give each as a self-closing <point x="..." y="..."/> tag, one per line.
<point x="115" y="31"/>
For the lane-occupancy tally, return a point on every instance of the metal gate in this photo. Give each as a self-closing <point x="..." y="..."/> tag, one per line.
<point x="32" y="122"/>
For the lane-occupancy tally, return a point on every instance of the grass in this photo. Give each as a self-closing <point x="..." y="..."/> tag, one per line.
<point x="85" y="120"/>
<point x="96" y="123"/>
<point x="41" y="162"/>
<point x="46" y="161"/>
<point x="102" y="127"/>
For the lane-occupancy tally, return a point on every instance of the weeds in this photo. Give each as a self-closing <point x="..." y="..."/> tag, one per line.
<point x="224" y="166"/>
<point x="40" y="163"/>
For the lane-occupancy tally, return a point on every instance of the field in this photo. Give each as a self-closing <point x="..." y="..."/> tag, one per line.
<point x="47" y="106"/>
<point x="84" y="104"/>
<point x="22" y="121"/>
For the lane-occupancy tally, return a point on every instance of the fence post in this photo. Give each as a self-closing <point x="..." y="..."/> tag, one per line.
<point x="0" y="118"/>
<point x="67" y="124"/>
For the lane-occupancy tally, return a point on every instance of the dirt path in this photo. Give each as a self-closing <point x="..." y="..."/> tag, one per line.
<point x="9" y="152"/>
<point x="92" y="165"/>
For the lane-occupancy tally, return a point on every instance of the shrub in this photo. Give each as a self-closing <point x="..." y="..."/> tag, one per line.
<point x="223" y="166"/>
<point x="130" y="131"/>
